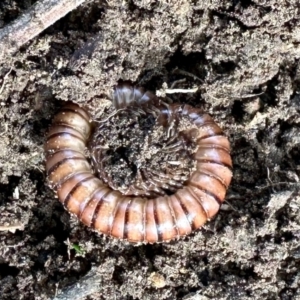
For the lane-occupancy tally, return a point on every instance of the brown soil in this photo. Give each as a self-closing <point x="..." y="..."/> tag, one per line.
<point x="244" y="57"/>
<point x="129" y="147"/>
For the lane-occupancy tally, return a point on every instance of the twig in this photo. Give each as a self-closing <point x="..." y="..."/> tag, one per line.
<point x="5" y="130"/>
<point x="176" y="82"/>
<point x="4" y="79"/>
<point x="39" y="17"/>
<point x="174" y="91"/>
<point x="110" y="116"/>
<point x="236" y="96"/>
<point x="291" y="184"/>
<point x="12" y="228"/>
<point x="165" y="90"/>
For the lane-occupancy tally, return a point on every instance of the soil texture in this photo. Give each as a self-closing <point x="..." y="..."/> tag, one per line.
<point x="243" y="56"/>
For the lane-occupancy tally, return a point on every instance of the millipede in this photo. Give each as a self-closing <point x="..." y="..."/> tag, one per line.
<point x="146" y="205"/>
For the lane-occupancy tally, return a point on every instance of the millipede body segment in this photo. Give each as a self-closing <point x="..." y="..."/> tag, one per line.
<point x="156" y="205"/>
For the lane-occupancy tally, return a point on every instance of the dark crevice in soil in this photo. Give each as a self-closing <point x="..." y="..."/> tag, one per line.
<point x="294" y="154"/>
<point x="288" y="294"/>
<point x="6" y="270"/>
<point x="151" y="252"/>
<point x="284" y="236"/>
<point x="225" y="67"/>
<point x="8" y="189"/>
<point x="227" y="17"/>
<point x="14" y="11"/>
<point x="37" y="177"/>
<point x="269" y="98"/>
<point x="73" y="21"/>
<point x="237" y="111"/>
<point x="182" y="292"/>
<point x="135" y="9"/>
<point x="53" y="227"/>
<point x="235" y="269"/>
<point x="204" y="277"/>
<point x="243" y="3"/>
<point x="119" y="275"/>
<point x="192" y="63"/>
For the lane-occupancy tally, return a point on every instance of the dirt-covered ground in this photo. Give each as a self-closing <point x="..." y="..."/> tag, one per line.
<point x="244" y="58"/>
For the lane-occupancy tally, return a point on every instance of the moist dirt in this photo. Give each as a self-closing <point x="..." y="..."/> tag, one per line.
<point x="243" y="56"/>
<point x="133" y="153"/>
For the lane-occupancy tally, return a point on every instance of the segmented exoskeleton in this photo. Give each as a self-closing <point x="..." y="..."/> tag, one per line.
<point x="138" y="216"/>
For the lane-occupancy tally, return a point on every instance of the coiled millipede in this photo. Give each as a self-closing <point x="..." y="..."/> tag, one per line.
<point x="156" y="205"/>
